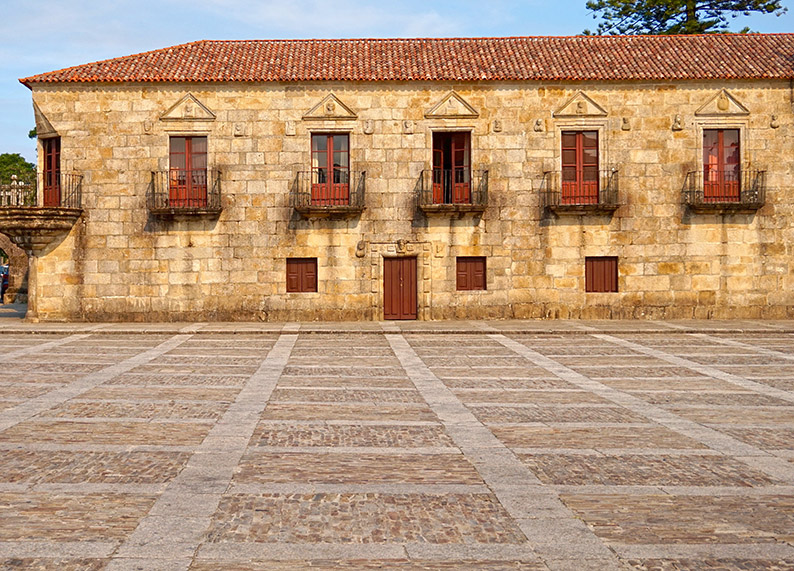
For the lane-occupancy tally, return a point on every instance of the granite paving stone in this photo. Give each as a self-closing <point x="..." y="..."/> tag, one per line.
<point x="419" y="446"/>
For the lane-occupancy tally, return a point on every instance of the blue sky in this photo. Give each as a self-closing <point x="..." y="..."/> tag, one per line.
<point x="46" y="35"/>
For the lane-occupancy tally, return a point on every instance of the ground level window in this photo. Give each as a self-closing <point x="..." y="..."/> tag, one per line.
<point x="601" y="274"/>
<point x="470" y="273"/>
<point x="301" y="274"/>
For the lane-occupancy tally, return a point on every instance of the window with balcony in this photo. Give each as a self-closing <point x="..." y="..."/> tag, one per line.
<point x="187" y="180"/>
<point x="51" y="150"/>
<point x="470" y="273"/>
<point x="301" y="275"/>
<point x="723" y="184"/>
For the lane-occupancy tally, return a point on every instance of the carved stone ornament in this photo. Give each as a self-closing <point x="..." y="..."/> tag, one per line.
<point x="147" y="126"/>
<point x="497" y="126"/>
<point x="625" y="124"/>
<point x="774" y="123"/>
<point x="538" y="127"/>
<point x="722" y="104"/>
<point x="369" y="127"/>
<point x="330" y="109"/>
<point x="239" y="129"/>
<point x="188" y="109"/>
<point x="401" y="244"/>
<point x="677" y="126"/>
<point x="580" y="105"/>
<point x="289" y="128"/>
<point x="361" y="249"/>
<point x="452" y="106"/>
<point x="408" y="127"/>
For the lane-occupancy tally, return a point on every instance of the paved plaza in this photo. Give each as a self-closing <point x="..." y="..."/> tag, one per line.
<point x="567" y="445"/>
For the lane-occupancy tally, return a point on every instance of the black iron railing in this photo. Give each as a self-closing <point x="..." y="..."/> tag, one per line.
<point x="180" y="190"/>
<point x="59" y="190"/>
<point x="580" y="189"/>
<point x="311" y="191"/>
<point x="713" y="188"/>
<point x="458" y="186"/>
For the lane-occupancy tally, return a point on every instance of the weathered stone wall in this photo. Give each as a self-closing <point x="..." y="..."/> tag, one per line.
<point x="121" y="263"/>
<point x="17" y="291"/>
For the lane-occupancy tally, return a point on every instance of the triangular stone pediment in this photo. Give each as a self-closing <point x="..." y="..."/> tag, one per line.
<point x="452" y="106"/>
<point x="580" y="105"/>
<point x="331" y="109"/>
<point x="188" y="109"/>
<point x="43" y="126"/>
<point x="722" y="104"/>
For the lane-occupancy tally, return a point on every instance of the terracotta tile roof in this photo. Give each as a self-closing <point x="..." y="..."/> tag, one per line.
<point x="610" y="58"/>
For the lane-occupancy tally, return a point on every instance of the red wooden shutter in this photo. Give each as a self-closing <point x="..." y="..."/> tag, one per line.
<point x="470" y="273"/>
<point x="301" y="274"/>
<point x="601" y="274"/>
<point x="309" y="275"/>
<point x="293" y="276"/>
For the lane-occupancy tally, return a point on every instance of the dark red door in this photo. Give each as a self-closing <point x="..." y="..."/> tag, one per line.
<point x="721" y="165"/>
<point x="579" y="167"/>
<point x="399" y="288"/>
<point x="52" y="171"/>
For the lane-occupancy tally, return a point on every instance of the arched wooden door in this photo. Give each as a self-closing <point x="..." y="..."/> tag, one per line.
<point x="399" y="288"/>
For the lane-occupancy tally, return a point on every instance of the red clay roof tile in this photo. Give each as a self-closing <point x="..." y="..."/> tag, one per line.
<point x="606" y="58"/>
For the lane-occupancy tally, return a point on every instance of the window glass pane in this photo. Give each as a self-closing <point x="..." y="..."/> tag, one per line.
<point x="569" y="157"/>
<point x="569" y="139"/>
<point x="341" y="160"/>
<point x="590" y="156"/>
<point x="198" y="144"/>
<point x="177" y="144"/>
<point x="590" y="138"/>
<point x="178" y="161"/>
<point x="340" y="143"/>
<point x="320" y="160"/>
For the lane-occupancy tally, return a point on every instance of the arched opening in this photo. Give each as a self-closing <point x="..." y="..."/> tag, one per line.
<point x="13" y="273"/>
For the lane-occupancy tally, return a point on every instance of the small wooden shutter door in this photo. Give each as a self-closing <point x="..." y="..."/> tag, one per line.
<point x="438" y="174"/>
<point x="461" y="176"/>
<point x="309" y="275"/>
<point x="52" y="171"/>
<point x="601" y="274"/>
<point x="477" y="273"/>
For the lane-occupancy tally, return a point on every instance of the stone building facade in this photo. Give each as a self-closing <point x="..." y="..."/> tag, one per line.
<point x="487" y="178"/>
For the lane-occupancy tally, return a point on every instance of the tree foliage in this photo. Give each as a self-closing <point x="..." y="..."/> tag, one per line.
<point x="674" y="16"/>
<point x="15" y="163"/>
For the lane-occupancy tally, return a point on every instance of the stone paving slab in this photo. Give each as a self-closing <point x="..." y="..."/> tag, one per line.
<point x="486" y="446"/>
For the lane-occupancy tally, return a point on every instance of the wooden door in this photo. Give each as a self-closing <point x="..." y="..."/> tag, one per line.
<point x="330" y="169"/>
<point x="579" y="167"/>
<point x="188" y="172"/>
<point x="461" y="187"/>
<point x="399" y="288"/>
<point x="721" y="165"/>
<point x="52" y="171"/>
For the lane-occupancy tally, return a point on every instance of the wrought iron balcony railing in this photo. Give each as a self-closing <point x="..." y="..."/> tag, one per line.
<point x="186" y="192"/>
<point x="313" y="193"/>
<point x="452" y="190"/>
<point x="580" y="191"/>
<point x="59" y="190"/>
<point x="713" y="190"/>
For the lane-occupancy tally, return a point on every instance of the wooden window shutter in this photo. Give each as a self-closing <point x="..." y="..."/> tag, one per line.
<point x="601" y="274"/>
<point x="470" y="273"/>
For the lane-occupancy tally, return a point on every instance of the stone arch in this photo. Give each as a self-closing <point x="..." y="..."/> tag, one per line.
<point x="18" y="271"/>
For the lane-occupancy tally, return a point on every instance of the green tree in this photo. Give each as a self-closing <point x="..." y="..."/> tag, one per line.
<point x="15" y="163"/>
<point x="674" y="16"/>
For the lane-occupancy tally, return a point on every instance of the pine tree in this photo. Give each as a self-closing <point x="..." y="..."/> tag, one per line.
<point x="674" y="16"/>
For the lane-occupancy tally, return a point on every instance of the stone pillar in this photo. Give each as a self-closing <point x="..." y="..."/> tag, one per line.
<point x="17" y="291"/>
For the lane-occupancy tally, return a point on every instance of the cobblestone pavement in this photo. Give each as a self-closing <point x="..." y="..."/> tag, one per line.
<point x="446" y="446"/>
